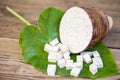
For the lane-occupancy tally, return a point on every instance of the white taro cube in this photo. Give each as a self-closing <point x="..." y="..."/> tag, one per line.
<point x="75" y="71"/>
<point x="54" y="49"/>
<point x="51" y="69"/>
<point x="79" y="58"/>
<point x="66" y="55"/>
<point x="54" y="42"/>
<point x="96" y="54"/>
<point x="93" y="69"/>
<point x="98" y="62"/>
<point x="78" y="64"/>
<point x="83" y="53"/>
<point x="69" y="64"/>
<point x="59" y="45"/>
<point x="61" y="63"/>
<point x="87" y="58"/>
<point x="64" y="48"/>
<point x="47" y="48"/>
<point x="52" y="57"/>
<point x="59" y="55"/>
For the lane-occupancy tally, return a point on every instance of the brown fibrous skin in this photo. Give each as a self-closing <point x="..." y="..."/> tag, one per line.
<point x="100" y="25"/>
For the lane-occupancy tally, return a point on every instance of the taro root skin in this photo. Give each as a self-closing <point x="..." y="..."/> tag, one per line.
<point x="100" y="25"/>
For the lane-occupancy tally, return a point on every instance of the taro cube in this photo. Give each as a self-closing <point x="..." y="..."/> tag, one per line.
<point x="66" y="55"/>
<point x="98" y="62"/>
<point x="47" y="48"/>
<point x="87" y="58"/>
<point x="61" y="63"/>
<point x="69" y="64"/>
<point x="79" y="58"/>
<point x="52" y="57"/>
<point x="75" y="71"/>
<point x="93" y="69"/>
<point x="59" y="55"/>
<point x="83" y="53"/>
<point x="51" y="69"/>
<point x="78" y="64"/>
<point x="54" y="49"/>
<point x="96" y="54"/>
<point x="64" y="48"/>
<point x="54" y="42"/>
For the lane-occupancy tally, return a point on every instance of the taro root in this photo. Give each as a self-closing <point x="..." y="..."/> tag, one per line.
<point x="81" y="28"/>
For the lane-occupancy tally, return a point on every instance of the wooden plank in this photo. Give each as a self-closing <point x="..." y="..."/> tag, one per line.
<point x="12" y="66"/>
<point x="112" y="39"/>
<point x="30" y="9"/>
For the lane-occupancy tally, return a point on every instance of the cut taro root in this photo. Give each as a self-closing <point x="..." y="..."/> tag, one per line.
<point x="81" y="28"/>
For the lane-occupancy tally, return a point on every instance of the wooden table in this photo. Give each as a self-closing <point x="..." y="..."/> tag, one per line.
<point x="12" y="67"/>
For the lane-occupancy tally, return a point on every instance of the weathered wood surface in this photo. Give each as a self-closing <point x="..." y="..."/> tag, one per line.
<point x="12" y="67"/>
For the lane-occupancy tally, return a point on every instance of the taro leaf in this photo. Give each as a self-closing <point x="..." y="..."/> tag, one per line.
<point x="32" y="43"/>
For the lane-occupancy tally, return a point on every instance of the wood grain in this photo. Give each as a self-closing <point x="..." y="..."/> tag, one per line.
<point x="12" y="67"/>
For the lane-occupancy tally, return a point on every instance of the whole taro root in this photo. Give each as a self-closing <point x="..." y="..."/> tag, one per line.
<point x="81" y="28"/>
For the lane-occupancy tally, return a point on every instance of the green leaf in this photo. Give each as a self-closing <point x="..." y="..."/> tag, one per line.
<point x="32" y="43"/>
